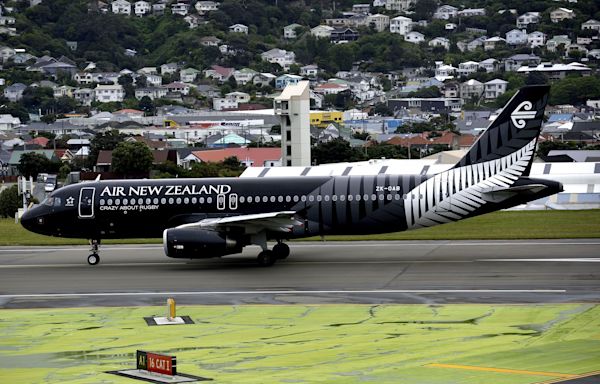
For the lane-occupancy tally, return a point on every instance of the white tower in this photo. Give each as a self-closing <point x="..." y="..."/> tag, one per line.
<point x="293" y="107"/>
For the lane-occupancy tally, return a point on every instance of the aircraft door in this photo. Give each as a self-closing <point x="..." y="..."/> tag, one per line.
<point x="86" y="202"/>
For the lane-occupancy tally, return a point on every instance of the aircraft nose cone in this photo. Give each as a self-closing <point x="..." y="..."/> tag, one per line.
<point x="28" y="220"/>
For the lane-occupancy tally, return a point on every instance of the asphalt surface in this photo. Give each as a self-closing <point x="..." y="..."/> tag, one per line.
<point x="536" y="271"/>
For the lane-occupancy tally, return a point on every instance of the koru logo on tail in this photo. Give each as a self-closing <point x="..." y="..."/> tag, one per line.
<point x="522" y="113"/>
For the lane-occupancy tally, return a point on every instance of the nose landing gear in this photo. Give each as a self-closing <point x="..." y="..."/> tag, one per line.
<point x="94" y="258"/>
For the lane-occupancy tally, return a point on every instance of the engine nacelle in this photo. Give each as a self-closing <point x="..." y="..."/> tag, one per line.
<point x="195" y="243"/>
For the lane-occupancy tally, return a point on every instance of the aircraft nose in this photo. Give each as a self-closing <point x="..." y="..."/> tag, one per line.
<point x="27" y="220"/>
<point x="33" y="219"/>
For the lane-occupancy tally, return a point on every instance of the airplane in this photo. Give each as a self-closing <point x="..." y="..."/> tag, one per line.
<point x="214" y="217"/>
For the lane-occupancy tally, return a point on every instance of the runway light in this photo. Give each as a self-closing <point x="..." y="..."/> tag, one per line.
<point x="171" y="313"/>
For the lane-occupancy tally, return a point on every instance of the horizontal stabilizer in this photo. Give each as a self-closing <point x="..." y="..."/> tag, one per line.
<point x="499" y="194"/>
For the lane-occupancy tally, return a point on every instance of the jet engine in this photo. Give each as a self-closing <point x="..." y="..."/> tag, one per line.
<point x="195" y="243"/>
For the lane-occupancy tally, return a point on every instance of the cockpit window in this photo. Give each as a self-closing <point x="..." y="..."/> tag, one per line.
<point x="52" y="201"/>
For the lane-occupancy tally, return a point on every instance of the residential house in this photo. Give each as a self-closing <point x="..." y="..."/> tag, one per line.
<point x="8" y="122"/>
<point x="440" y="42"/>
<point x="516" y="37"/>
<point x="181" y="9"/>
<point x="321" y="31"/>
<point x="178" y="87"/>
<point x="193" y="21"/>
<point x="556" y="41"/>
<point x="285" y="80"/>
<point x="490" y="65"/>
<point x="379" y="3"/>
<point x="414" y="37"/>
<point x="239" y="28"/>
<point x="14" y="92"/>
<point x="206" y="6"/>
<point x="591" y="24"/>
<point x="401" y="25"/>
<point x="445" y="12"/>
<point x="169" y="68"/>
<point x="427" y="104"/>
<point x="561" y="14"/>
<point x="208" y="91"/>
<point x="378" y="22"/>
<point x="58" y="68"/>
<point x="6" y="53"/>
<point x="451" y="89"/>
<point x="264" y="79"/>
<point x="576" y="50"/>
<point x="152" y="92"/>
<point x="450" y="26"/>
<point x="584" y="40"/>
<point x="522" y="59"/>
<point x="240" y="97"/>
<point x="528" y="18"/>
<point x="158" y="9"/>
<point x="493" y="43"/>
<point x="250" y="157"/>
<point x="289" y="31"/>
<point x="311" y="70"/>
<point x="121" y="7"/>
<point x="536" y="39"/>
<point x="471" y="89"/>
<point x="330" y="88"/>
<point x="558" y="71"/>
<point x="22" y="58"/>
<point x="361" y="8"/>
<point x="494" y="88"/>
<point x="341" y="35"/>
<point x="395" y="5"/>
<point x="63" y="91"/>
<point x="224" y="103"/>
<point x="471" y="12"/>
<point x="141" y="8"/>
<point x="109" y="93"/>
<point x="189" y="75"/>
<point x="476" y="43"/>
<point x="467" y="68"/>
<point x="210" y="41"/>
<point x="219" y="73"/>
<point x="279" y="56"/>
<point x="84" y="96"/>
<point x="147" y="71"/>
<point x="244" y="75"/>
<point x="153" y="80"/>
<point x="594" y="53"/>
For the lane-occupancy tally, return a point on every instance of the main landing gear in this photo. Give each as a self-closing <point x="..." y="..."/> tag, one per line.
<point x="267" y="257"/>
<point x="94" y="258"/>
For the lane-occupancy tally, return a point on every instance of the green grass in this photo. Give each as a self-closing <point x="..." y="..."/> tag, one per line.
<point x="306" y="343"/>
<point x="498" y="225"/>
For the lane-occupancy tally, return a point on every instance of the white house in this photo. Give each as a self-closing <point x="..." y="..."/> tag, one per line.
<point x="141" y="8"/>
<point x="310" y="70"/>
<point x="591" y="24"/>
<point x="244" y="75"/>
<point x="471" y="12"/>
<point x="444" y="71"/>
<point x="476" y="43"/>
<point x="471" y="89"/>
<point x="494" y="88"/>
<point x="557" y="40"/>
<point x="109" y="93"/>
<point x="221" y="103"/>
<point x="536" y="39"/>
<point x="8" y="122"/>
<point x="181" y="9"/>
<point x="414" y="37"/>
<point x="445" y="12"/>
<point x="322" y="31"/>
<point x="528" y="18"/>
<point x="561" y="14"/>
<point x="468" y="67"/>
<point x="440" y="42"/>
<point x="490" y="65"/>
<point x="6" y="53"/>
<point x="189" y="75"/>
<point x="492" y="43"/>
<point x="516" y="37"/>
<point x="396" y="5"/>
<point x="279" y="56"/>
<point x="121" y="7"/>
<point x="169" y="68"/>
<point x="14" y="92"/>
<point x="240" y="97"/>
<point x="238" y="28"/>
<point x="401" y="25"/>
<point x="206" y="6"/>
<point x="289" y="31"/>
<point x="379" y="22"/>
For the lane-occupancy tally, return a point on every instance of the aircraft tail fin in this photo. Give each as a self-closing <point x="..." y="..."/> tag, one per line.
<point x="518" y="125"/>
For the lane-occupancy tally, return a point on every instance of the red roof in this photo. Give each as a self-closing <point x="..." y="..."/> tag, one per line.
<point x="466" y="140"/>
<point x="256" y="156"/>
<point x="223" y="71"/>
<point x="41" y="140"/>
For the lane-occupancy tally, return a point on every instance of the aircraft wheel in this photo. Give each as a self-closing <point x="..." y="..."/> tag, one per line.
<point x="93" y="259"/>
<point x="266" y="258"/>
<point x="281" y="250"/>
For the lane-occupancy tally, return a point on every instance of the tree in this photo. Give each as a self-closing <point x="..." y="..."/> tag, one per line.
<point x="9" y="201"/>
<point x="132" y="158"/>
<point x="106" y="141"/>
<point x="335" y="151"/>
<point x="32" y="163"/>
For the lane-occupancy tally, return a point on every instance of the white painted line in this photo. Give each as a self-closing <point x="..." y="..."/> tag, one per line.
<point x="284" y="292"/>
<point x="563" y="260"/>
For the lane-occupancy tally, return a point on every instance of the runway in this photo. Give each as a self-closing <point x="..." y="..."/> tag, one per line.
<point x="536" y="271"/>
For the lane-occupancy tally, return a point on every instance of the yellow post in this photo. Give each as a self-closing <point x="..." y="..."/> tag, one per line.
<point x="171" y="309"/>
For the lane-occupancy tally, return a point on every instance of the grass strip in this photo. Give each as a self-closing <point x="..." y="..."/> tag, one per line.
<point x="308" y="343"/>
<point x="505" y="225"/>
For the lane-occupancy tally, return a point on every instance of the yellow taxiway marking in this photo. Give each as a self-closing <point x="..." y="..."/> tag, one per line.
<point x="552" y="381"/>
<point x="502" y="370"/>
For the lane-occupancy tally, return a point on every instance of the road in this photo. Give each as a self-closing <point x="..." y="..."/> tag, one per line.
<point x="535" y="271"/>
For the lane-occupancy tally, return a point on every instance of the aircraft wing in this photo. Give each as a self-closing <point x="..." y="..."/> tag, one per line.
<point x="282" y="221"/>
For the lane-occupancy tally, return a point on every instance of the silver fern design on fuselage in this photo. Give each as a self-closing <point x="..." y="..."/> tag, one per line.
<point x="455" y="194"/>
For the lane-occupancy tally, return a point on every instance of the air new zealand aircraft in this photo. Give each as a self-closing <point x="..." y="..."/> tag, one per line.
<point x="202" y="218"/>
